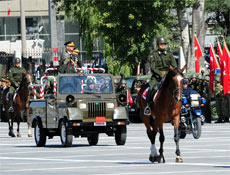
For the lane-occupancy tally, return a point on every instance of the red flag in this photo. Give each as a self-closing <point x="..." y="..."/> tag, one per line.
<point x="220" y="52"/>
<point x="226" y="64"/>
<point x="213" y="66"/>
<point x="8" y="12"/>
<point x="130" y="99"/>
<point x="198" y="53"/>
<point x="138" y="69"/>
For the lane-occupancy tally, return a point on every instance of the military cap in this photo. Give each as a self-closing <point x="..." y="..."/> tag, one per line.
<point x="161" y="40"/>
<point x="17" y="60"/>
<point x="69" y="43"/>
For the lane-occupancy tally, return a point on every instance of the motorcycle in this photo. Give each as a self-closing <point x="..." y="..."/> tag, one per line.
<point x="191" y="117"/>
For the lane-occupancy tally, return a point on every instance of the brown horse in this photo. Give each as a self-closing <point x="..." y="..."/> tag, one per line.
<point x="165" y="107"/>
<point x="20" y="102"/>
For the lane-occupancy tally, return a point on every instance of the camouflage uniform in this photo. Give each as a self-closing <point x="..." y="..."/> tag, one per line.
<point x="15" y="77"/>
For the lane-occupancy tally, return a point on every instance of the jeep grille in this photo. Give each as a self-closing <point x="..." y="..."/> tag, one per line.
<point x="96" y="109"/>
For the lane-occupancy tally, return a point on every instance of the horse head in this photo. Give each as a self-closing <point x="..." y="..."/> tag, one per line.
<point x="27" y="80"/>
<point x="176" y="77"/>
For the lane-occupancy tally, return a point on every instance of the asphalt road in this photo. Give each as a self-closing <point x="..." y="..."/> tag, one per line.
<point x="208" y="155"/>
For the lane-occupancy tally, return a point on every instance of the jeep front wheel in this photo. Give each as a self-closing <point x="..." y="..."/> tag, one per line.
<point x="120" y="135"/>
<point x="39" y="135"/>
<point x="66" y="139"/>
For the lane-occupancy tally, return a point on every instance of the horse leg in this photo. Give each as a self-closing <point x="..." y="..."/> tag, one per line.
<point x="151" y="132"/>
<point x="176" y="139"/>
<point x="162" y="139"/>
<point x="11" y="121"/>
<point x="28" y="118"/>
<point x="18" y="122"/>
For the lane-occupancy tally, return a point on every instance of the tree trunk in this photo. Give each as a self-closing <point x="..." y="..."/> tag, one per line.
<point x="198" y="28"/>
<point x="184" y="29"/>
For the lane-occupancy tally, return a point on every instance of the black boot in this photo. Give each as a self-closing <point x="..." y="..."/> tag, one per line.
<point x="11" y="108"/>
<point x="150" y="95"/>
<point x="147" y="110"/>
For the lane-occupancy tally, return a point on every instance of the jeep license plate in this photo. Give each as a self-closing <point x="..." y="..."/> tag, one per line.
<point x="100" y="121"/>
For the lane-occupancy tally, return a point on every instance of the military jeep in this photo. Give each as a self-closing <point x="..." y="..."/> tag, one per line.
<point x="84" y="105"/>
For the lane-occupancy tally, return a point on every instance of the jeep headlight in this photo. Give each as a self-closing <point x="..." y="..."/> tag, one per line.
<point x="110" y="105"/>
<point x="82" y="106"/>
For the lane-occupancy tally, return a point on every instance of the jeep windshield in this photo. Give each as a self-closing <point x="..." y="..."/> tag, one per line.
<point x="85" y="84"/>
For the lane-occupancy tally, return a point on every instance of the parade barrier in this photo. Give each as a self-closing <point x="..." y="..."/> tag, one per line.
<point x="90" y="69"/>
<point x="42" y="87"/>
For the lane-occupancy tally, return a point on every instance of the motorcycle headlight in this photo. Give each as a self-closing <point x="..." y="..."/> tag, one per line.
<point x="185" y="101"/>
<point x="203" y="100"/>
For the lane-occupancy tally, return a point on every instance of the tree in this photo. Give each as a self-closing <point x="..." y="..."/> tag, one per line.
<point x="128" y="27"/>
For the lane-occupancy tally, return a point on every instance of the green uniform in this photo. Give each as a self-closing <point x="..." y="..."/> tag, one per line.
<point x="159" y="65"/>
<point x="67" y="63"/>
<point x="15" y="77"/>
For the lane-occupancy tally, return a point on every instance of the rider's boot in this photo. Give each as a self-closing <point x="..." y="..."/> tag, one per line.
<point x="11" y="108"/>
<point x="150" y="95"/>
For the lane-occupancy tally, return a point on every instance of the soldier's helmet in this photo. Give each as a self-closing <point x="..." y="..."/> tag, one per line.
<point x="17" y="60"/>
<point x="90" y="81"/>
<point x="116" y="81"/>
<point x="161" y="40"/>
<point x="106" y="81"/>
<point x="199" y="77"/>
<point x="193" y="75"/>
<point x="185" y="76"/>
<point x="123" y="81"/>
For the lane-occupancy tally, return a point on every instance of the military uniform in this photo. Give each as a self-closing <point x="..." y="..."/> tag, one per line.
<point x="69" y="60"/>
<point x="219" y="98"/>
<point x="15" y="77"/>
<point x="42" y="68"/>
<point x="160" y="61"/>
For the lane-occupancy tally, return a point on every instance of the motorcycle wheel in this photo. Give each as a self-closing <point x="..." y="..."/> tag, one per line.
<point x="196" y="128"/>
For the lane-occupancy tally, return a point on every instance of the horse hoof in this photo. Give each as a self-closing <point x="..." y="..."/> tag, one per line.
<point x="153" y="159"/>
<point x="179" y="160"/>
<point x="161" y="159"/>
<point x="11" y="134"/>
<point x="18" y="135"/>
<point x="29" y="135"/>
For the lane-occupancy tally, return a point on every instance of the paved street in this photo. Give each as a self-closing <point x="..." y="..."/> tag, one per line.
<point x="208" y="155"/>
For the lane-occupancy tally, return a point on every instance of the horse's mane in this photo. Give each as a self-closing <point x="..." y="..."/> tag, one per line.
<point x="23" y="82"/>
<point x="169" y="76"/>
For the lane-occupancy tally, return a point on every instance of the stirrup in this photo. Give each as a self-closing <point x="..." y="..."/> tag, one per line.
<point x="147" y="110"/>
<point x="11" y="109"/>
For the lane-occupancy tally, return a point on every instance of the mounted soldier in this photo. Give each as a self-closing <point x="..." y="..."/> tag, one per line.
<point x="15" y="76"/>
<point x="160" y="61"/>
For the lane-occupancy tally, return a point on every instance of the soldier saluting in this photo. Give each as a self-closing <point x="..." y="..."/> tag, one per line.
<point x="69" y="59"/>
<point x="160" y="61"/>
<point x="15" y="76"/>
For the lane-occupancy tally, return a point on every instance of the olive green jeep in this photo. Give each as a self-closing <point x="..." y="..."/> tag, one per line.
<point x="83" y="105"/>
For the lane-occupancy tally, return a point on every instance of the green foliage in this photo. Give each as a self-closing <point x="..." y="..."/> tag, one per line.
<point x="127" y="27"/>
<point x="219" y="15"/>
